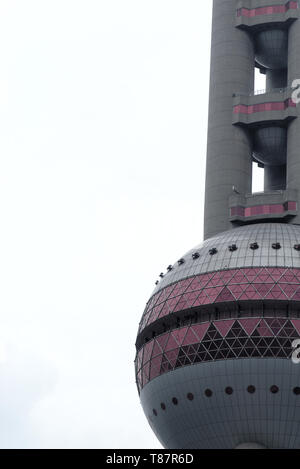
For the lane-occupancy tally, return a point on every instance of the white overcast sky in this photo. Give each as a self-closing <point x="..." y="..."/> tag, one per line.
<point x="103" y="120"/>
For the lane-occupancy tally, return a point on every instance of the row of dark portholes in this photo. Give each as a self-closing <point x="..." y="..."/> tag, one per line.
<point x="208" y="393"/>
<point x="232" y="248"/>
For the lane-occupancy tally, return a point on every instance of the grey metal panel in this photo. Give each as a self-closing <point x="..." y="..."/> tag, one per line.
<point x="264" y="234"/>
<point x="225" y="421"/>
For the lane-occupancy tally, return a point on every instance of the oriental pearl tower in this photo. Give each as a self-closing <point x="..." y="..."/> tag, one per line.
<point x="214" y="348"/>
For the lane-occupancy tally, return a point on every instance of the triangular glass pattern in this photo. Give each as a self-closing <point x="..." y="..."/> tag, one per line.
<point x="200" y="330"/>
<point x="190" y="337"/>
<point x="225" y="295"/>
<point x="249" y="325"/>
<point x="224" y="326"/>
<point x="179" y="335"/>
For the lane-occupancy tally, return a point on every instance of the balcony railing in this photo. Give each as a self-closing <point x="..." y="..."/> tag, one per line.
<point x="262" y="91"/>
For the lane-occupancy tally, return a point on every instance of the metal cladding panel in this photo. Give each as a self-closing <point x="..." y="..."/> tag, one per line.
<point x="269" y="416"/>
<point x="265" y="234"/>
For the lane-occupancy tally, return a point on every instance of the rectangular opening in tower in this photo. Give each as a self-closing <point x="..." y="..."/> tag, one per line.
<point x="259" y="82"/>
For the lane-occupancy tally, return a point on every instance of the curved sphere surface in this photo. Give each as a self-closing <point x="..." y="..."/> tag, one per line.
<point x="269" y="145"/>
<point x="271" y="48"/>
<point x="214" y="347"/>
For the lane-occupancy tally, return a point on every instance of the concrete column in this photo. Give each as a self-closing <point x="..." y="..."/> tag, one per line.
<point x="229" y="160"/>
<point x="275" y="176"/>
<point x="293" y="137"/>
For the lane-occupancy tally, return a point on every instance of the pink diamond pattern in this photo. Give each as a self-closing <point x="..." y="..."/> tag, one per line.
<point x="264" y="330"/>
<point x="224" y="326"/>
<point x="237" y="290"/>
<point x="249" y="325"/>
<point x="200" y="330"/>
<point x="263" y="288"/>
<point x="190" y="338"/>
<point x="172" y="357"/>
<point x="179" y="335"/>
<point x="244" y="284"/>
<point x="296" y="296"/>
<point x="296" y="324"/>
<point x="216" y="340"/>
<point x="225" y="295"/>
<point x="172" y="344"/>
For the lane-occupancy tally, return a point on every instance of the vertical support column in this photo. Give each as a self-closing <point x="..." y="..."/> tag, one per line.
<point x="229" y="159"/>
<point x="293" y="136"/>
<point x="275" y="176"/>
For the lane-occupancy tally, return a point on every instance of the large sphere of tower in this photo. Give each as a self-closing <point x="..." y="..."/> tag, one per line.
<point x="214" y="345"/>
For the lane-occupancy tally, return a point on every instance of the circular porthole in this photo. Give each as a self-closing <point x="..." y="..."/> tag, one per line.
<point x="175" y="401"/>
<point x="274" y="389"/>
<point x="163" y="406"/>
<point x="229" y="390"/>
<point x="155" y="412"/>
<point x="208" y="392"/>
<point x="251" y="389"/>
<point x="190" y="396"/>
<point x="296" y="390"/>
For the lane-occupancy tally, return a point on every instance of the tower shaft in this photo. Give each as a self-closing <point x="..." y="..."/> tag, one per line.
<point x="229" y="160"/>
<point x="246" y="127"/>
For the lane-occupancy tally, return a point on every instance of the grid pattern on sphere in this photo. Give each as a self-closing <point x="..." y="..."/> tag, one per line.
<point x="263" y="233"/>
<point x="217" y="340"/>
<point x="268" y="283"/>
